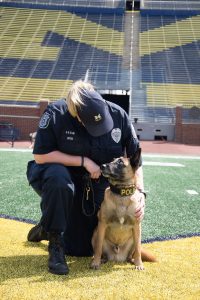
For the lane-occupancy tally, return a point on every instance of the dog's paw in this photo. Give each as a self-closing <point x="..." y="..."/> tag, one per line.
<point x="95" y="265"/>
<point x="138" y="264"/>
<point x="139" y="268"/>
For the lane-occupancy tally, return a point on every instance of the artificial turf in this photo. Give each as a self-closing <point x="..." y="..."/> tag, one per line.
<point x="170" y="210"/>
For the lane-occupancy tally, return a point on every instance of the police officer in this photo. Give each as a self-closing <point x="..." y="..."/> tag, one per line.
<point x="75" y="136"/>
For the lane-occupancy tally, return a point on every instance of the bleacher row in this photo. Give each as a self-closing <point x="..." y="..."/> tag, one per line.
<point x="82" y="3"/>
<point x="170" y="4"/>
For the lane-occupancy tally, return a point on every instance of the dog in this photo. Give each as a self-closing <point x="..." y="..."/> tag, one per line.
<point x="118" y="233"/>
<point x="32" y="137"/>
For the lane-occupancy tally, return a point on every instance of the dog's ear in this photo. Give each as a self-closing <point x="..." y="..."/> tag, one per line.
<point x="136" y="158"/>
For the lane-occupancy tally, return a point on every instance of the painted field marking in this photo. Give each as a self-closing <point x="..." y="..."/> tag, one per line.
<point x="144" y="154"/>
<point x="15" y="150"/>
<point x="171" y="156"/>
<point x="192" y="192"/>
<point x="162" y="164"/>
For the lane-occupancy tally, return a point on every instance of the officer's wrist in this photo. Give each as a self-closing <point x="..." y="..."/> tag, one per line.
<point x="82" y="161"/>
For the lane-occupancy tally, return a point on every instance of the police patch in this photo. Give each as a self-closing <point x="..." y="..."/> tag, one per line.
<point x="116" y="134"/>
<point x="44" y="121"/>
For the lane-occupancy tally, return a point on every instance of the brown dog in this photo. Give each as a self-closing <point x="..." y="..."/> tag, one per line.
<point x="118" y="234"/>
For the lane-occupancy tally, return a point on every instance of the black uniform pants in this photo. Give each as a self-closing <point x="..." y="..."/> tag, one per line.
<point x="66" y="205"/>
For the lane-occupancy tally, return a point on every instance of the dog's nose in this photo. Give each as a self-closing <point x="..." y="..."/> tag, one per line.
<point x="102" y="167"/>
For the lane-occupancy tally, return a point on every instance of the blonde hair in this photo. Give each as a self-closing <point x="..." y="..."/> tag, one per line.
<point x="74" y="96"/>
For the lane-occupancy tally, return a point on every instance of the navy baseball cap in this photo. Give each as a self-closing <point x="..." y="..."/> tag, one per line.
<point x="94" y="113"/>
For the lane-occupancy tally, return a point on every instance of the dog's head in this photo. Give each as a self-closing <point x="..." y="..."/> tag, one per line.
<point x="121" y="169"/>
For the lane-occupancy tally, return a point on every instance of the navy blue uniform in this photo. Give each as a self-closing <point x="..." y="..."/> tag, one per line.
<point x="64" y="204"/>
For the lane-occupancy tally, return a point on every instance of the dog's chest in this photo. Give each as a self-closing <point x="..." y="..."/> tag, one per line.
<point x="122" y="215"/>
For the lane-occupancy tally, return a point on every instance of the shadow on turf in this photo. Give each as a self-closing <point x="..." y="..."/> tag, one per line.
<point x="35" y="245"/>
<point x="27" y="266"/>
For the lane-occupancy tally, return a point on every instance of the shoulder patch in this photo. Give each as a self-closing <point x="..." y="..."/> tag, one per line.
<point x="44" y="121"/>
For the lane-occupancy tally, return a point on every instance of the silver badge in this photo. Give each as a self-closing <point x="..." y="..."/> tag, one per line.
<point x="116" y="134"/>
<point x="44" y="121"/>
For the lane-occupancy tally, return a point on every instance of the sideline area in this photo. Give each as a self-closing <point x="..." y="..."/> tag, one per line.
<point x="158" y="147"/>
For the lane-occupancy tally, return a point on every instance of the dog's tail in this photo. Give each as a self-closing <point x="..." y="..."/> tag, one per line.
<point x="147" y="256"/>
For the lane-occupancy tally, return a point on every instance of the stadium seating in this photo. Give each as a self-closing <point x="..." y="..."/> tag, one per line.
<point x="18" y="90"/>
<point x="43" y="50"/>
<point x="169" y="50"/>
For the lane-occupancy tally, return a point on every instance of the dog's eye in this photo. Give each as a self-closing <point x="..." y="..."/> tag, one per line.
<point x="120" y="162"/>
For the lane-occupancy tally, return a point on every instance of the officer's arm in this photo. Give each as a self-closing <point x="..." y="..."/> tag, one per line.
<point x="139" y="179"/>
<point x="58" y="157"/>
<point x="131" y="144"/>
<point x="139" y="213"/>
<point x="70" y="161"/>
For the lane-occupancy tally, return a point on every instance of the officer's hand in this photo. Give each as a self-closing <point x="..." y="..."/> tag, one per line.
<point x="92" y="168"/>
<point x="139" y="213"/>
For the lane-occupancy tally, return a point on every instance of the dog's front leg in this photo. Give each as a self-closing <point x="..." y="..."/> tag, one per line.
<point x="137" y="243"/>
<point x="98" y="245"/>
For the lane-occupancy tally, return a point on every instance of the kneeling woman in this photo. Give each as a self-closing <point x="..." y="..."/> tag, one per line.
<point x="75" y="136"/>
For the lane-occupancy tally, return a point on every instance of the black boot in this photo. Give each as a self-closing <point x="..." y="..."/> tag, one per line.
<point x="56" y="262"/>
<point x="37" y="234"/>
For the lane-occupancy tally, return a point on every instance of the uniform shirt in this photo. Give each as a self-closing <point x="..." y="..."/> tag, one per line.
<point x="58" y="130"/>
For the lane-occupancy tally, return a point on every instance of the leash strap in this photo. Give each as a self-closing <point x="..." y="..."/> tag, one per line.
<point x="87" y="191"/>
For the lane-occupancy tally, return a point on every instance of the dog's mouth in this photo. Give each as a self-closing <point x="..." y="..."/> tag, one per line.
<point x="111" y="176"/>
<point x="110" y="173"/>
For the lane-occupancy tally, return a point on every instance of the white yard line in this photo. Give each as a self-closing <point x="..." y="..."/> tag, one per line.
<point x="171" y="156"/>
<point x="192" y="192"/>
<point x="162" y="164"/>
<point x="143" y="155"/>
<point x="15" y="150"/>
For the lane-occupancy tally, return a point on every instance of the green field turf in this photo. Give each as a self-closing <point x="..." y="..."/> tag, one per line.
<point x="170" y="210"/>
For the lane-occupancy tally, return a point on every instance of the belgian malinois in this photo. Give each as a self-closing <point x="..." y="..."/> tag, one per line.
<point x="118" y="234"/>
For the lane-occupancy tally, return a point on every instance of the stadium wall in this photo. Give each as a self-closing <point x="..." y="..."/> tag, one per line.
<point x="186" y="133"/>
<point x="26" y="118"/>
